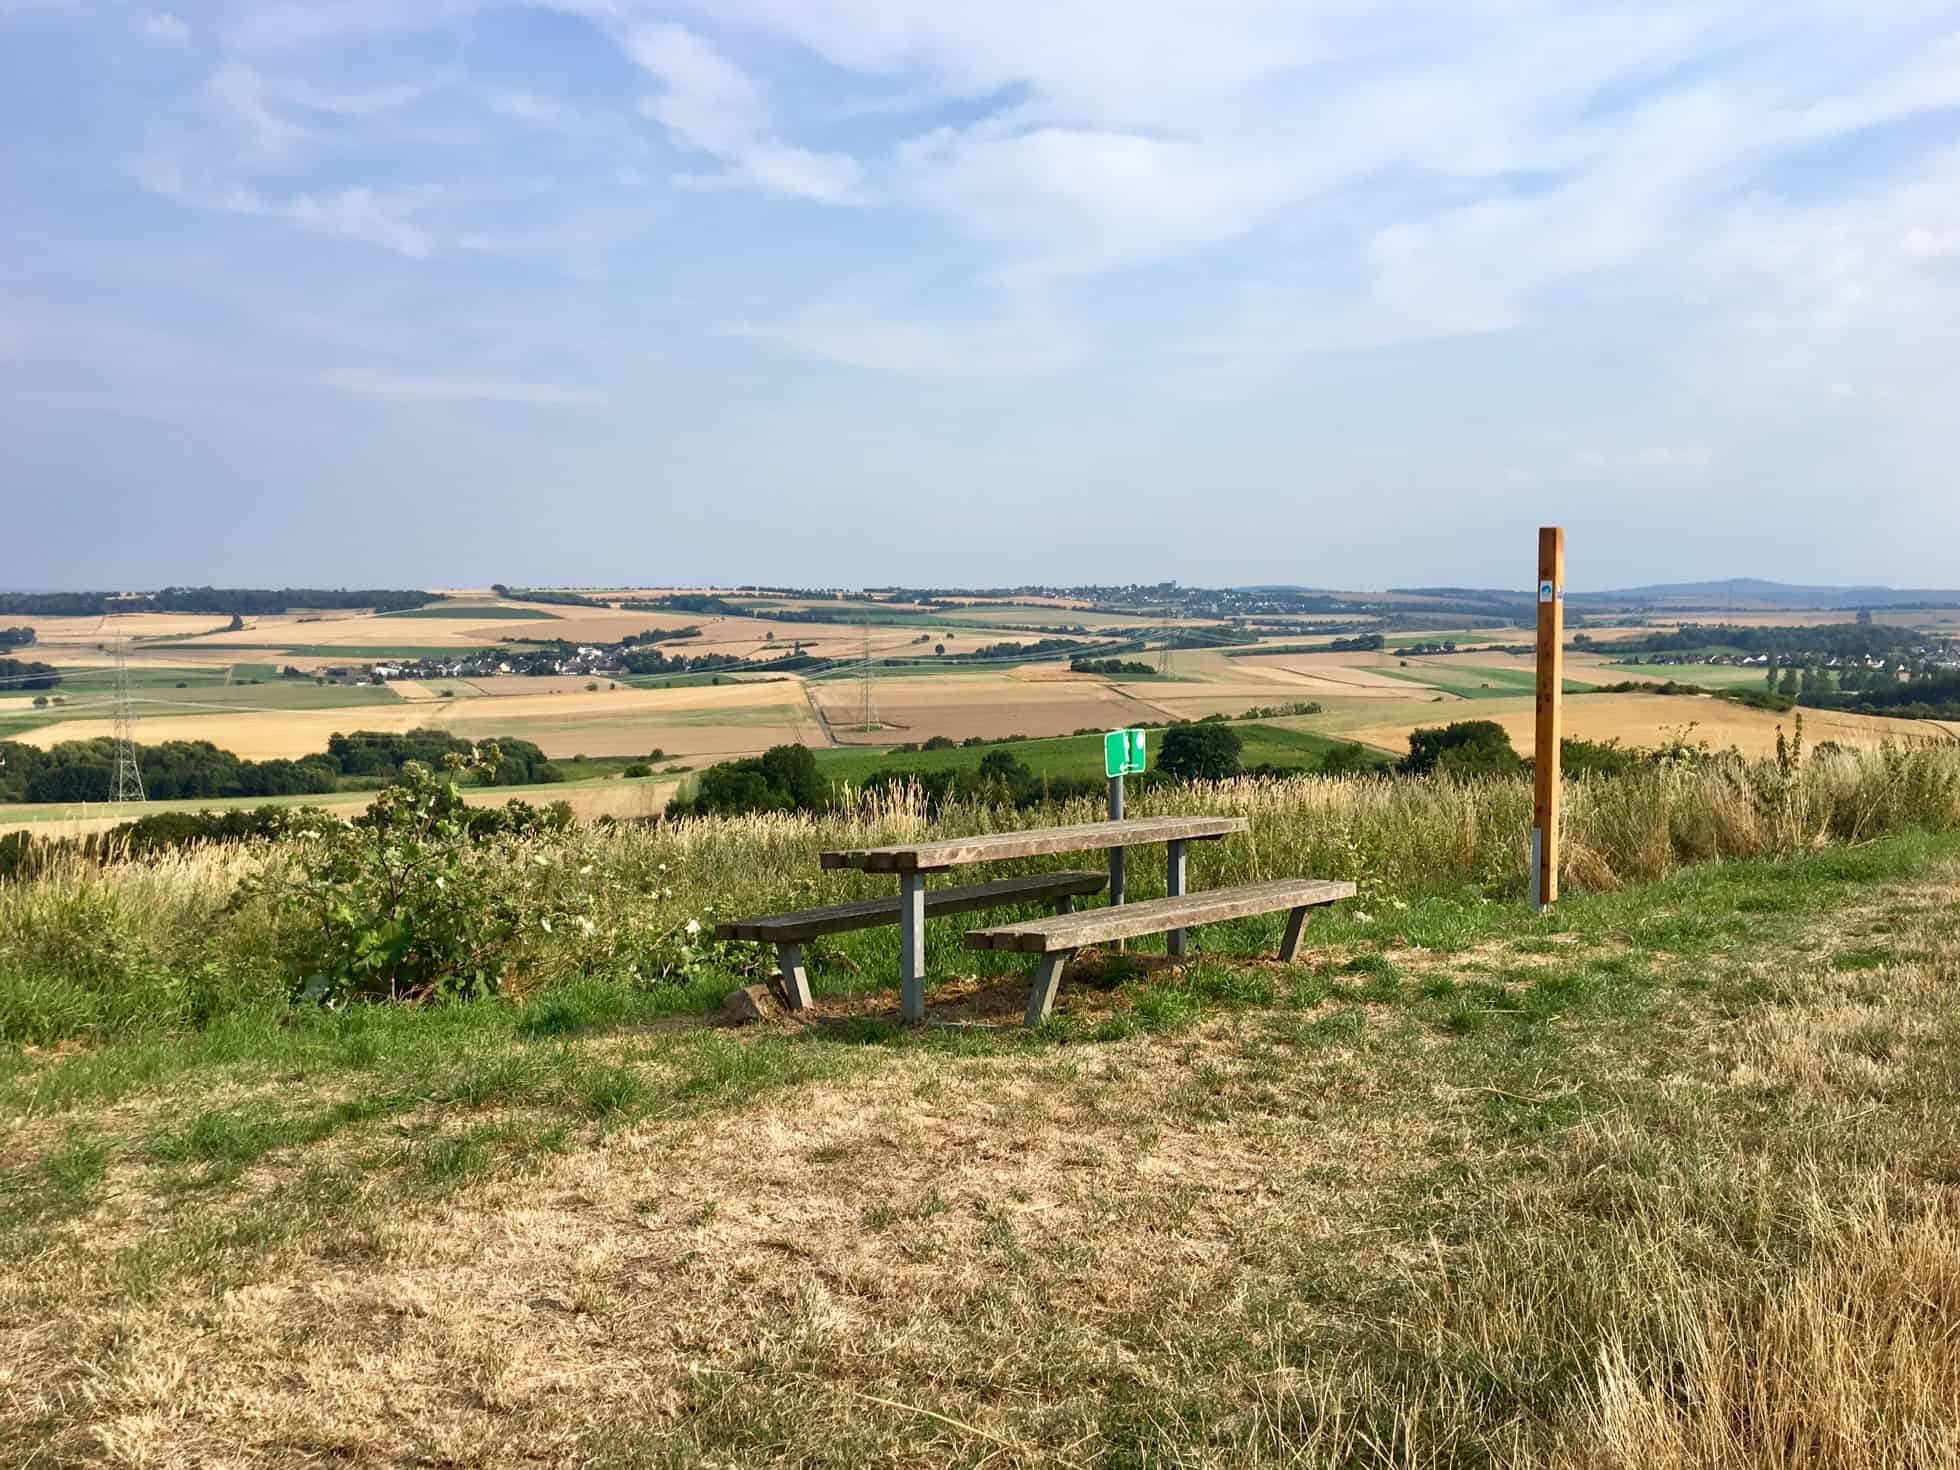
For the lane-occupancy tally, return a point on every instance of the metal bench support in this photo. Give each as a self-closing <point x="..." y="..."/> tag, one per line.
<point x="1047" y="979"/>
<point x="1296" y="932"/>
<point x="912" y="946"/>
<point x="796" y="980"/>
<point x="1174" y="880"/>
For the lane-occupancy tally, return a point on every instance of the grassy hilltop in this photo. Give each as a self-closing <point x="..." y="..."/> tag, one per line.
<point x="1661" y="1178"/>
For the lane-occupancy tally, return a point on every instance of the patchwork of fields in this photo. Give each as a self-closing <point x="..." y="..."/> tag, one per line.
<point x="196" y="678"/>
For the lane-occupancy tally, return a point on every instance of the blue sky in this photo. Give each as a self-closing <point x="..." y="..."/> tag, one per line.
<point x="438" y="292"/>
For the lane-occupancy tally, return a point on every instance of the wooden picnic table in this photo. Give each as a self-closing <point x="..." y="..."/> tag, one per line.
<point x="911" y="861"/>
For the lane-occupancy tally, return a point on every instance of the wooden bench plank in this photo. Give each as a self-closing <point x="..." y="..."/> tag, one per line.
<point x="871" y="913"/>
<point x="986" y="847"/>
<point x="1157" y="915"/>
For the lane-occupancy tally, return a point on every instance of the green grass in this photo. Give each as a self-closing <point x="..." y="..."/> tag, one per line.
<point x="1726" y="676"/>
<point x="1400" y="1203"/>
<point x="1072" y="756"/>
<point x="1475" y="683"/>
<point x="694" y="681"/>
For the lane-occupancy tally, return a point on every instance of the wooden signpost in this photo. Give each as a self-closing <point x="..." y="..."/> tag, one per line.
<point x="1551" y="691"/>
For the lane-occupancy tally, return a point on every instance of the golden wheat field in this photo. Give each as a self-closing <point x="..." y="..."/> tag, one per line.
<point x="710" y="719"/>
<point x="1652" y="720"/>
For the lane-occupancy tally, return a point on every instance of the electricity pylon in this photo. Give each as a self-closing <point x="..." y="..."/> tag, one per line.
<point x="867" y="674"/>
<point x="127" y="784"/>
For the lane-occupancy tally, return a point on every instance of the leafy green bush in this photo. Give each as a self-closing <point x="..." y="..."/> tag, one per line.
<point x="399" y="904"/>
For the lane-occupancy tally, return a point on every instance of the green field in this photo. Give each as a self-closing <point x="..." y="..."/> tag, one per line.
<point x="692" y="681"/>
<point x="92" y="679"/>
<point x="1470" y="682"/>
<point x="1073" y="756"/>
<point x="1724" y="676"/>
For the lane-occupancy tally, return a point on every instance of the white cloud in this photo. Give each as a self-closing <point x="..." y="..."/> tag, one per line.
<point x="359" y="213"/>
<point x="1924" y="244"/>
<point x="712" y="106"/>
<point x="474" y="390"/>
<point x="163" y="26"/>
<point x="240" y="95"/>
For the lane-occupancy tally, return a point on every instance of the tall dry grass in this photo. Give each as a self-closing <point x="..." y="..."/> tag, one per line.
<point x="166" y="943"/>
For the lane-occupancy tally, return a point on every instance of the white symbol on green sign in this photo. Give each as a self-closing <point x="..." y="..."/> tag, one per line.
<point x="1123" y="752"/>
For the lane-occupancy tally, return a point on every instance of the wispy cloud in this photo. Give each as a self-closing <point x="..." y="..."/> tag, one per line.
<point x="163" y="26"/>
<point x="474" y="390"/>
<point x="714" y="107"/>
<point x="362" y="214"/>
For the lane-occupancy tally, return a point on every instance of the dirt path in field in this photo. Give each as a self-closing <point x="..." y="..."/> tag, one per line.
<point x="816" y="713"/>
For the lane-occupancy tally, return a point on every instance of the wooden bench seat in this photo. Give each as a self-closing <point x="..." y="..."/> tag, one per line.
<point x="1055" y="939"/>
<point x="788" y="932"/>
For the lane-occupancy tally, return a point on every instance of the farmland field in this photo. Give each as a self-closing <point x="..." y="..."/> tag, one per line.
<point x="1650" y="720"/>
<point x="1376" y="696"/>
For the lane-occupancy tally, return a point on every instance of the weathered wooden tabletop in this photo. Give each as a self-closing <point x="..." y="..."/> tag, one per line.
<point x="987" y="847"/>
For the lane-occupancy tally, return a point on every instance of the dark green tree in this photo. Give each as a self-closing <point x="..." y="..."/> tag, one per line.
<point x="1463" y="749"/>
<point x="1201" y="752"/>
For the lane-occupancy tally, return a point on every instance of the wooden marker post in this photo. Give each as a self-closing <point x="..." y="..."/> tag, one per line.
<point x="1551" y="693"/>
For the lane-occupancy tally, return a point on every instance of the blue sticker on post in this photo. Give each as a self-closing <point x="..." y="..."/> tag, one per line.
<point x="1546" y="592"/>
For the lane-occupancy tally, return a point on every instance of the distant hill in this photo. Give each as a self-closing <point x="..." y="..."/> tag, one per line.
<point x="1745" y="590"/>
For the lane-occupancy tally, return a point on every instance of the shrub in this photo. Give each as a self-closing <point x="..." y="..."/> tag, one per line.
<point x="394" y="906"/>
<point x="639" y="770"/>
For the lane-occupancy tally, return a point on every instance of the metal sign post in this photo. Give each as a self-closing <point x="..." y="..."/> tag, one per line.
<point x="1551" y="692"/>
<point x="1123" y="755"/>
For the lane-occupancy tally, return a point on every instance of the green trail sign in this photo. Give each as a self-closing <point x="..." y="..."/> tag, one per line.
<point x="1123" y="753"/>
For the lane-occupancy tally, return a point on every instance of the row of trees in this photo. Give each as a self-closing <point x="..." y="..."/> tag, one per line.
<point x="252" y="600"/>
<point x="16" y="637"/>
<point x="179" y="770"/>
<point x="19" y="673"/>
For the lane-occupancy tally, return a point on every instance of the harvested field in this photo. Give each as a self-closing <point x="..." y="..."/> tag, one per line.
<point x="1334" y="673"/>
<point x="989" y="705"/>
<point x="1650" y="720"/>
<point x="712" y="719"/>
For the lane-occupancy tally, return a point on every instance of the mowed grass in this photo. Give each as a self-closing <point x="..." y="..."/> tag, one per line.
<point x="1661" y="1178"/>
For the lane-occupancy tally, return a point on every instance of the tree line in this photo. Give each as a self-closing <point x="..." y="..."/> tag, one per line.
<point x="179" y="770"/>
<point x="19" y="673"/>
<point x="219" y="600"/>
